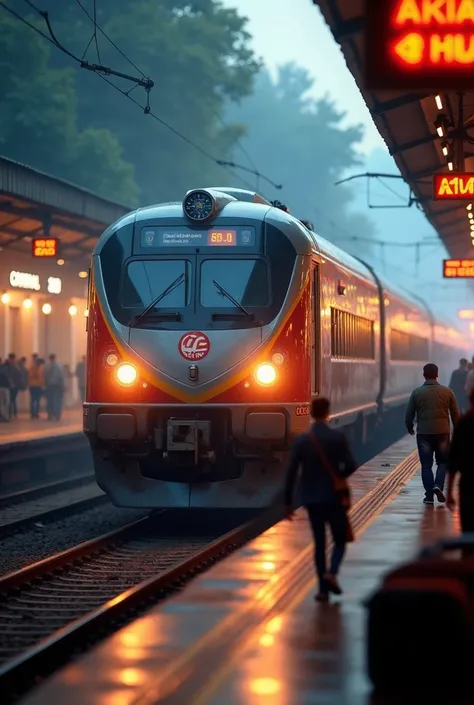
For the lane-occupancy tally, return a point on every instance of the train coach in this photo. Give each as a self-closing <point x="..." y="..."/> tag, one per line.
<point x="212" y="322"/>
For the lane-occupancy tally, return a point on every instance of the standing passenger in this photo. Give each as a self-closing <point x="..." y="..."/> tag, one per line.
<point x="458" y="384"/>
<point x="460" y="460"/>
<point x="81" y="377"/>
<point x="324" y="456"/>
<point x="432" y="405"/>
<point x="36" y="385"/>
<point x="55" y="385"/>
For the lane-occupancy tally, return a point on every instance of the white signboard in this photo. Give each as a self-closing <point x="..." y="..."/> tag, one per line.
<point x="54" y="285"/>
<point x="24" y="280"/>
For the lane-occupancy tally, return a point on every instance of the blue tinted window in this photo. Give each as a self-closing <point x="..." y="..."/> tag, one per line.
<point x="246" y="280"/>
<point x="145" y="280"/>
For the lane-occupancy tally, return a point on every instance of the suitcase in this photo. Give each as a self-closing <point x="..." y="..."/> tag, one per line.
<point x="420" y="627"/>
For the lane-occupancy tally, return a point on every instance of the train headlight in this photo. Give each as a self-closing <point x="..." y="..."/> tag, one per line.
<point x="126" y="373"/>
<point x="266" y="374"/>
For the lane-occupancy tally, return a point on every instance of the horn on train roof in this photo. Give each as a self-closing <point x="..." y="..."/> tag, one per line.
<point x="241" y="194"/>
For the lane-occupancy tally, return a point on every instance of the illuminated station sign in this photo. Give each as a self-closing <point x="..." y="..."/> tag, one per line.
<point x="420" y="44"/>
<point x="458" y="268"/>
<point x="45" y="247"/>
<point x="453" y="187"/>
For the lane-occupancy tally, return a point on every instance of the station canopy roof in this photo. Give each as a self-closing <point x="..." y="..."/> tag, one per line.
<point x="406" y="123"/>
<point x="34" y="204"/>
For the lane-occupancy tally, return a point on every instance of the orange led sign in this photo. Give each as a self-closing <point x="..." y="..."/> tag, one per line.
<point x="458" y="268"/>
<point x="419" y="44"/>
<point x="45" y="247"/>
<point x="466" y="314"/>
<point x="453" y="187"/>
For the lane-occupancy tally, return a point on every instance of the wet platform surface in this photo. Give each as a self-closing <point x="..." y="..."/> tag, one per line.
<point x="248" y="630"/>
<point x="27" y="429"/>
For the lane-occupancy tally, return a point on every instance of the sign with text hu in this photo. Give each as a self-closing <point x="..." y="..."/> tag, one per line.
<point x="419" y="44"/>
<point x="453" y="187"/>
<point x="458" y="268"/>
<point x="45" y="247"/>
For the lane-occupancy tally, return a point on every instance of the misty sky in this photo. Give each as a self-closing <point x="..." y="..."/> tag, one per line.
<point x="286" y="31"/>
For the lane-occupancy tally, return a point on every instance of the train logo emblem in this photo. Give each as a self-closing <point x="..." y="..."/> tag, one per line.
<point x="194" y="346"/>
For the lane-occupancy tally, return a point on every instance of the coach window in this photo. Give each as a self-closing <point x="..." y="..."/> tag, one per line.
<point x="246" y="280"/>
<point x="145" y="280"/>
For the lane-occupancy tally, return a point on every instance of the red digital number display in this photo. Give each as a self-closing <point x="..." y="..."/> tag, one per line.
<point x="458" y="269"/>
<point x="222" y="237"/>
<point x="45" y="247"/>
<point x="419" y="44"/>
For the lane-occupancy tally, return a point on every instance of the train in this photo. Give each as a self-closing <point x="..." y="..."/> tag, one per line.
<point x="212" y="323"/>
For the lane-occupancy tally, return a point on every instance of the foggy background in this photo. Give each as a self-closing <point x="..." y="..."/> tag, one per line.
<point x="270" y="93"/>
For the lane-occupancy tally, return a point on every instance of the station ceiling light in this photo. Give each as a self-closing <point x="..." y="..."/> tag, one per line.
<point x="439" y="102"/>
<point x="83" y="275"/>
<point x="86" y="313"/>
<point x="27" y="303"/>
<point x="5" y="297"/>
<point x="60" y="262"/>
<point x="73" y="310"/>
<point x="450" y="166"/>
<point x="441" y="124"/>
<point x="46" y="309"/>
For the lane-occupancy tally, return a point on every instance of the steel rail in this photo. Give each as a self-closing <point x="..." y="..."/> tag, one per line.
<point x="58" y="647"/>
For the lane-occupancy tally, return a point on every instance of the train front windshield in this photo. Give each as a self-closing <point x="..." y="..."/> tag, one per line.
<point x="169" y="277"/>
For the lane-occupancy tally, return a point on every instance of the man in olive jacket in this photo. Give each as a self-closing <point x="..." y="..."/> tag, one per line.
<point x="433" y="405"/>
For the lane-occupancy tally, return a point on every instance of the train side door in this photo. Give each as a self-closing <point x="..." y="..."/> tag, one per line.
<point x="316" y="333"/>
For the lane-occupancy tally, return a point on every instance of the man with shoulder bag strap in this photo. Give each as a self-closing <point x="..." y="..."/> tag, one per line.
<point x="326" y="461"/>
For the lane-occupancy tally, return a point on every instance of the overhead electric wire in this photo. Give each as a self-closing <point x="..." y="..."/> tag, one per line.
<point x="177" y="132"/>
<point x="102" y="71"/>
<point x="98" y="27"/>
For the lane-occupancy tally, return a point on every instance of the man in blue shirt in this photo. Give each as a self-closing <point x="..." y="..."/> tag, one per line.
<point x="322" y="454"/>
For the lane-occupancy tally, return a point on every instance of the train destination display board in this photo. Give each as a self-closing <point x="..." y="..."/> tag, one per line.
<point x="45" y="247"/>
<point x="458" y="268"/>
<point x="419" y="44"/>
<point x="164" y="236"/>
<point x="453" y="187"/>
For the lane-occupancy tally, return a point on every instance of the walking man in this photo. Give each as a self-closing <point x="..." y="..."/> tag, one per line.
<point x="433" y="406"/>
<point x="458" y="384"/>
<point x="325" y="459"/>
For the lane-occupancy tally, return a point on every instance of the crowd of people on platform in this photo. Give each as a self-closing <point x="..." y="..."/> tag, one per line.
<point x="42" y="379"/>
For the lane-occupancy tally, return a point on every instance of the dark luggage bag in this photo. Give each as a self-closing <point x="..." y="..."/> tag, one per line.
<point x="421" y="622"/>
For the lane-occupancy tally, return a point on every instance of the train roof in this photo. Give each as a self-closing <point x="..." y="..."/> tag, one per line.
<point x="250" y="204"/>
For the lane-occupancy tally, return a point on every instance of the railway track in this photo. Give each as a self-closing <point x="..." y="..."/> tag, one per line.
<point x="46" y="609"/>
<point x="50" y="501"/>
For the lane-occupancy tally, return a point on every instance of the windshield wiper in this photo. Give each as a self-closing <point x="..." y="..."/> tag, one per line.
<point x="228" y="296"/>
<point x="174" y="285"/>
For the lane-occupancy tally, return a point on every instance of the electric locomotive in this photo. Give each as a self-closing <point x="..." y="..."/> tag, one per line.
<point x="211" y="324"/>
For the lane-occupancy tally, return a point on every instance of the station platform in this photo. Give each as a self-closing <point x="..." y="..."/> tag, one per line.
<point x="248" y="630"/>
<point x="27" y="429"/>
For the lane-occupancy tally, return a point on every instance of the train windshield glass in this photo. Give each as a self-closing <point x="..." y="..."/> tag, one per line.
<point x="146" y="280"/>
<point x="246" y="280"/>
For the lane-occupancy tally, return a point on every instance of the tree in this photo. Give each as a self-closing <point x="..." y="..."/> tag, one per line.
<point x="38" y="124"/>
<point x="197" y="53"/>
<point x="299" y="143"/>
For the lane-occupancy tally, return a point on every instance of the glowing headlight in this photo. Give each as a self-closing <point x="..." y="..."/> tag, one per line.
<point x="126" y="373"/>
<point x="266" y="374"/>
